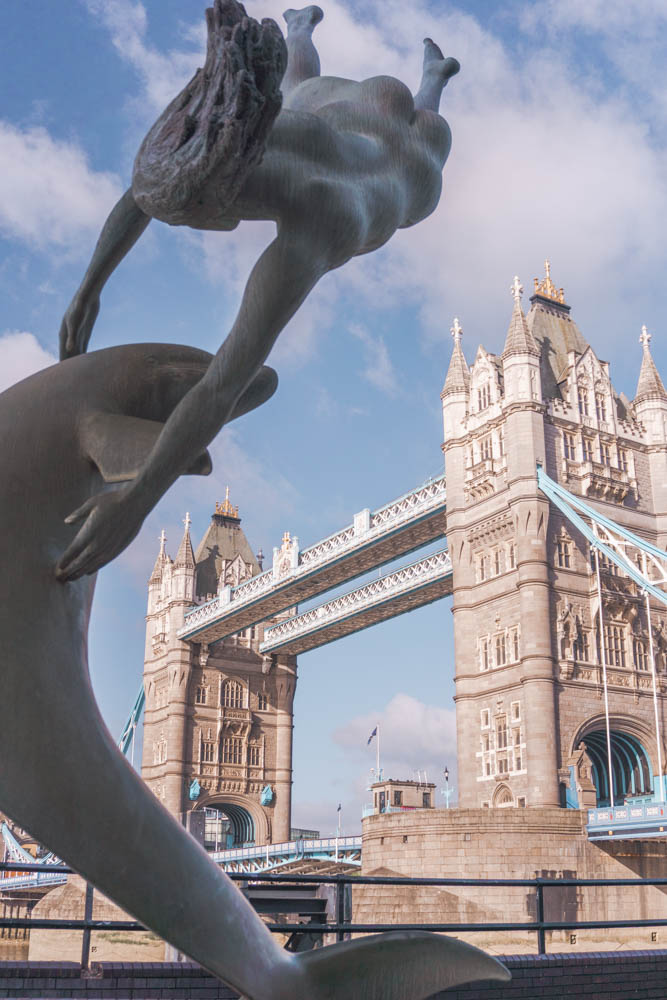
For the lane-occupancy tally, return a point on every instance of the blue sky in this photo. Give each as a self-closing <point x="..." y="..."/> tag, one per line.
<point x="559" y="129"/>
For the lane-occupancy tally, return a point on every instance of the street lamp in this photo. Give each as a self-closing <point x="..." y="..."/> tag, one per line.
<point x="447" y="791"/>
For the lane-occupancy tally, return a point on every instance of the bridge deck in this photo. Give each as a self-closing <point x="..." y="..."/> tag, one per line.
<point x="372" y="540"/>
<point x="410" y="587"/>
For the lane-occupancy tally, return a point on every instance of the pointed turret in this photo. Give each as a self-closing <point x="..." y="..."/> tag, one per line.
<point x="519" y="339"/>
<point x="521" y="356"/>
<point x="455" y="394"/>
<point x="185" y="556"/>
<point x="458" y="373"/>
<point x="649" y="385"/>
<point x="162" y="558"/>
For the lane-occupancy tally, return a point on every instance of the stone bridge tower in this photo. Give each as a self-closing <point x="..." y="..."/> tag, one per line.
<point x="218" y="719"/>
<point x="526" y="624"/>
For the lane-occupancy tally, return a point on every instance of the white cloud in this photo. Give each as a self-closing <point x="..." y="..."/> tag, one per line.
<point x="162" y="74"/>
<point x="21" y="355"/>
<point x="378" y="370"/>
<point x="414" y="736"/>
<point x="49" y="194"/>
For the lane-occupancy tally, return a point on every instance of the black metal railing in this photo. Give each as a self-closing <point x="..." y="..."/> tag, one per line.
<point x="342" y="927"/>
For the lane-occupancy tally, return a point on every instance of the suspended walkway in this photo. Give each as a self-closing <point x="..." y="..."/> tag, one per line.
<point x="408" y="588"/>
<point x="373" y="539"/>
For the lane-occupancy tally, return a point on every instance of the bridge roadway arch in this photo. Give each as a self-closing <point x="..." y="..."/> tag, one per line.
<point x="632" y="747"/>
<point x="248" y="823"/>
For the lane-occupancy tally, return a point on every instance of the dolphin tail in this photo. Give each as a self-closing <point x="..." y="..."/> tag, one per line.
<point x="398" y="965"/>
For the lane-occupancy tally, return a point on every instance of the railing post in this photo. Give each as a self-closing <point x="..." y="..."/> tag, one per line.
<point x="87" y="915"/>
<point x="340" y="909"/>
<point x="541" y="942"/>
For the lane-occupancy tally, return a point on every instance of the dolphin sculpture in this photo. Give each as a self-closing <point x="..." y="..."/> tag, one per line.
<point x="69" y="432"/>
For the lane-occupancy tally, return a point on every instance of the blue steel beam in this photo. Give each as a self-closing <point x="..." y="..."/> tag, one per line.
<point x="572" y="507"/>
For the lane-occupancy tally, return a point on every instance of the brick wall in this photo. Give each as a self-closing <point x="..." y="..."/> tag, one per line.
<point x="630" y="975"/>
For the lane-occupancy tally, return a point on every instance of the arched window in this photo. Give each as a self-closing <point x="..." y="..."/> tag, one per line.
<point x="232" y="694"/>
<point x="503" y="797"/>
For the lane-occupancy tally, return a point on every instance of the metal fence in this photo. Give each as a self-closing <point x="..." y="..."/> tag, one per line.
<point x="342" y="927"/>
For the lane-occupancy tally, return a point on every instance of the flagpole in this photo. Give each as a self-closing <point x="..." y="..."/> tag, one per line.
<point x="377" y="753"/>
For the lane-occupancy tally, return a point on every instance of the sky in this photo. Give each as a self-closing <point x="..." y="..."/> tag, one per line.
<point x="559" y="123"/>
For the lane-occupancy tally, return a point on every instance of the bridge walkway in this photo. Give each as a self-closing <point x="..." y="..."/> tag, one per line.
<point x="372" y="540"/>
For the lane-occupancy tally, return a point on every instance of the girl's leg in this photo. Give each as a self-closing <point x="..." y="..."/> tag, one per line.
<point x="303" y="62"/>
<point x="437" y="71"/>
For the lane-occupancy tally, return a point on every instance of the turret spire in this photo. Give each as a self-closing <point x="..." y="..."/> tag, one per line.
<point x="185" y="555"/>
<point x="162" y="558"/>
<point x="649" y="385"/>
<point x="519" y="339"/>
<point x="458" y="373"/>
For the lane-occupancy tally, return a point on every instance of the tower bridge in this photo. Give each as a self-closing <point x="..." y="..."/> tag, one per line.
<point x="553" y="540"/>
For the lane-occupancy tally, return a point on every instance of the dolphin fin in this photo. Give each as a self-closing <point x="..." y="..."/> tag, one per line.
<point x="398" y="965"/>
<point x="119" y="446"/>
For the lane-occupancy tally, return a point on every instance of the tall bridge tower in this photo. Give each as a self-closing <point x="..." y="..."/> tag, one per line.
<point x="531" y="725"/>
<point x="218" y="718"/>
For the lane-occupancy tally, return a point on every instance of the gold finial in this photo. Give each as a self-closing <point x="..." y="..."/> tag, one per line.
<point x="546" y="287"/>
<point x="286" y="538"/>
<point x="645" y="338"/>
<point x="226" y="508"/>
<point x="456" y="331"/>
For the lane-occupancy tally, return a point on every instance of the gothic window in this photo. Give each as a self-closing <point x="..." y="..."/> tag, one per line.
<point x="587" y="448"/>
<point x="484" y="654"/>
<point x="563" y="553"/>
<point x="262" y="702"/>
<point x="398" y="798"/>
<point x="569" y="447"/>
<point x="161" y="696"/>
<point x="426" y="800"/>
<point x="232" y="750"/>
<point x="614" y="645"/>
<point x="521" y="801"/>
<point x="502" y="736"/>
<point x="605" y="453"/>
<point x="208" y="752"/>
<point x="232" y="694"/>
<point x="581" y="647"/>
<point x="482" y="568"/>
<point x="623" y="463"/>
<point x="640" y="654"/>
<point x="200" y="696"/>
<point x="497" y="562"/>
<point x="253" y="755"/>
<point x="501" y="649"/>
<point x="487" y="768"/>
<point x="583" y="401"/>
<point x="600" y="406"/>
<point x="483" y="396"/>
<point x="160" y="752"/>
<point x="486" y="447"/>
<point x="514" y="645"/>
<point x="484" y="718"/>
<point x="516" y="711"/>
<point x="517" y="759"/>
<point x="486" y="742"/>
<point x="503" y="764"/>
<point x="501" y="442"/>
<point x="511" y="555"/>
